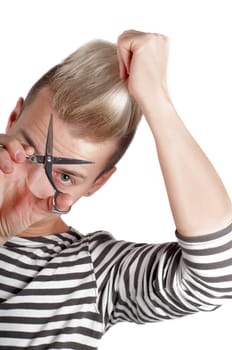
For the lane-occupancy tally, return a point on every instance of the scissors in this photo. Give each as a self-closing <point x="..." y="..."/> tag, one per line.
<point x="48" y="160"/>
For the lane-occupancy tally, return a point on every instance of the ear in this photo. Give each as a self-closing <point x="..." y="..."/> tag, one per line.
<point x="15" y="113"/>
<point x="100" y="181"/>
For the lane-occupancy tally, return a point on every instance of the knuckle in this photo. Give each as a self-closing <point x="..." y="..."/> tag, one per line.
<point x="158" y="36"/>
<point x="5" y="140"/>
<point x="14" y="144"/>
<point x="5" y="161"/>
<point x="11" y="146"/>
<point x="121" y="36"/>
<point x="3" y="153"/>
<point x="126" y="34"/>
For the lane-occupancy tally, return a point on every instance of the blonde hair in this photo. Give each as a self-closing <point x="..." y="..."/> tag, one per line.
<point x="88" y="94"/>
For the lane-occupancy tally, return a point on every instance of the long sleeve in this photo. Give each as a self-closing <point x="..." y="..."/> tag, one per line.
<point x="151" y="282"/>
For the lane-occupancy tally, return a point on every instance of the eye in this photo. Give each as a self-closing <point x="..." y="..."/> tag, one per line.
<point x="64" y="177"/>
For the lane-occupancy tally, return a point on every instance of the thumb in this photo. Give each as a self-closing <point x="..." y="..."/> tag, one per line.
<point x="124" y="59"/>
<point x="63" y="202"/>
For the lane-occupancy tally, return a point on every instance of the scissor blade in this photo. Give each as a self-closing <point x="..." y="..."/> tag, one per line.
<point x="48" y="159"/>
<point x="39" y="159"/>
<point x="49" y="141"/>
<point x="61" y="160"/>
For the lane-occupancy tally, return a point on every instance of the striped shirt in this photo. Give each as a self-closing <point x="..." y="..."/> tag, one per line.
<point x="64" y="291"/>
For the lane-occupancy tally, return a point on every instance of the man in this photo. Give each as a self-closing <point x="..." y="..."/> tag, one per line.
<point x="60" y="289"/>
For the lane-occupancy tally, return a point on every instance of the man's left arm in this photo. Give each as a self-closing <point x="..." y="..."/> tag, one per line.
<point x="198" y="199"/>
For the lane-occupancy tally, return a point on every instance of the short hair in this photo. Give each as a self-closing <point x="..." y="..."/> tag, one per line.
<point x="87" y="93"/>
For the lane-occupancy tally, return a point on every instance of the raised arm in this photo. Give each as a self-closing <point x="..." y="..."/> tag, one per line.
<point x="198" y="199"/>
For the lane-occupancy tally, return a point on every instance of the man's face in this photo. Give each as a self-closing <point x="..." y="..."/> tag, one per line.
<point x="31" y="129"/>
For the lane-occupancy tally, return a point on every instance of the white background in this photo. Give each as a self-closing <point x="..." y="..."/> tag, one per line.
<point x="35" y="35"/>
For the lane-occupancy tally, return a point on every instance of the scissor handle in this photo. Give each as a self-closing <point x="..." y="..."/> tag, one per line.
<point x="48" y="171"/>
<point x="55" y="209"/>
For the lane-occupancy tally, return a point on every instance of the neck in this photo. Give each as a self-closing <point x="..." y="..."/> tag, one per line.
<point x="45" y="228"/>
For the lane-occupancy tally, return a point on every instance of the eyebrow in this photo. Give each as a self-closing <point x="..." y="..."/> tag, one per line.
<point x="30" y="142"/>
<point x="28" y="139"/>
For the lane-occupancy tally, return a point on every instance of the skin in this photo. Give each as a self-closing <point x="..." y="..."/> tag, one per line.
<point x="198" y="199"/>
<point x="31" y="179"/>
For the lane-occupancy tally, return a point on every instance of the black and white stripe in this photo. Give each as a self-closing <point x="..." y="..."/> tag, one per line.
<point x="64" y="291"/>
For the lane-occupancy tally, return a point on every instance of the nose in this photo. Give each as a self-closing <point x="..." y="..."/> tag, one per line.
<point x="38" y="182"/>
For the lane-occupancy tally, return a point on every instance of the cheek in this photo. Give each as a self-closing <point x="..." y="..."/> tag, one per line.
<point x="78" y="192"/>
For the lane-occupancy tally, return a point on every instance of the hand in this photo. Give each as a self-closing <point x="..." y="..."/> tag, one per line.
<point x="143" y="59"/>
<point x="19" y="207"/>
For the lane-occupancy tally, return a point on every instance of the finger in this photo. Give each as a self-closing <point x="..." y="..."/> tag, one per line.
<point x="122" y="68"/>
<point x="6" y="164"/>
<point x="29" y="150"/>
<point x="14" y="148"/>
<point x="63" y="202"/>
<point x="124" y="55"/>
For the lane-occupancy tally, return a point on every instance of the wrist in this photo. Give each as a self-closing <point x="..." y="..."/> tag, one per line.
<point x="157" y="106"/>
<point x="149" y="98"/>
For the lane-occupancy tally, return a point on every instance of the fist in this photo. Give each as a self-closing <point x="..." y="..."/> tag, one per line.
<point x="143" y="59"/>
